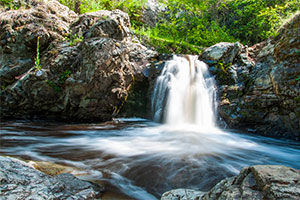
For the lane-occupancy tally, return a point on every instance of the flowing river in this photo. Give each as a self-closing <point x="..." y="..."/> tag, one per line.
<point x="141" y="159"/>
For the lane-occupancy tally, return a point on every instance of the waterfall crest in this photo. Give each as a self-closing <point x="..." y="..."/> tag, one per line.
<point x="185" y="93"/>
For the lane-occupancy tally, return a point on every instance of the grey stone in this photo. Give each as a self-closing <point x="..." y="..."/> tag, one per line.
<point x="152" y="11"/>
<point x="182" y="194"/>
<point x="103" y="23"/>
<point x="256" y="182"/>
<point x="19" y="180"/>
<point x="224" y="51"/>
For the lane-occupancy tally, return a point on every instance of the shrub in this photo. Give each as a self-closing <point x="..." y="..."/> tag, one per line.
<point x="73" y="39"/>
<point x="11" y="4"/>
<point x="37" y="63"/>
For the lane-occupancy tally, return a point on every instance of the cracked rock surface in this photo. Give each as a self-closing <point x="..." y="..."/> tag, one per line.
<point x="19" y="180"/>
<point x="258" y="182"/>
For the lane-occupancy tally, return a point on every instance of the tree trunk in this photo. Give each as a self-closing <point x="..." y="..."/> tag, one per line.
<point x="77" y="6"/>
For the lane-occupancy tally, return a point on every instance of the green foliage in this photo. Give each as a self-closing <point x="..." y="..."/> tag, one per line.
<point x="253" y="21"/>
<point x="73" y="39"/>
<point x="188" y="25"/>
<point x="3" y="87"/>
<point x="54" y="85"/>
<point x="63" y="77"/>
<point x="58" y="85"/>
<point x="183" y="28"/>
<point x="37" y="63"/>
<point x="69" y="3"/>
<point x="11" y="4"/>
<point x="224" y="67"/>
<point x="164" y="44"/>
<point x="297" y="99"/>
<point x="132" y="7"/>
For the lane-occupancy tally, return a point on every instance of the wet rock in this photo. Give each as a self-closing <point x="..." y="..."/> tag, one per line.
<point x="182" y="194"/>
<point x="265" y="78"/>
<point x="53" y="169"/>
<point x="255" y="182"/>
<point x="19" y="180"/>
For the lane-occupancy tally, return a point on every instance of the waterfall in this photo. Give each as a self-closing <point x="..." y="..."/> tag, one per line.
<point x="185" y="93"/>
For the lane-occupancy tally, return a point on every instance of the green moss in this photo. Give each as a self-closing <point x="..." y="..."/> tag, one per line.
<point x="3" y="87"/>
<point x="58" y="84"/>
<point x="297" y="99"/>
<point x="223" y="67"/>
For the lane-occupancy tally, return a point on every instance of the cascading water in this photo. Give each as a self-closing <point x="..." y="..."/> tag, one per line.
<point x="185" y="93"/>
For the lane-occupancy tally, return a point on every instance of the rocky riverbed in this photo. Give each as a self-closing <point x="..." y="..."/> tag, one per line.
<point x="20" y="180"/>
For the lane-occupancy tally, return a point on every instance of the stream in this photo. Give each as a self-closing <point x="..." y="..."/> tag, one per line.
<point x="141" y="159"/>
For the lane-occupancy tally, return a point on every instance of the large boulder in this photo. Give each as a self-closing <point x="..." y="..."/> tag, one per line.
<point x="259" y="86"/>
<point x="257" y="182"/>
<point x="103" y="23"/>
<point x="19" y="30"/>
<point x="19" y="180"/>
<point x="89" y="63"/>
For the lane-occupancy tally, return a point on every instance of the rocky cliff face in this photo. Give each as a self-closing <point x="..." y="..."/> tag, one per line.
<point x="89" y="62"/>
<point x="259" y="87"/>
<point x="257" y="182"/>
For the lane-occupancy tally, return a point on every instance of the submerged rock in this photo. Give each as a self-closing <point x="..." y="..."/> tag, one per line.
<point x="256" y="182"/>
<point x="19" y="180"/>
<point x="259" y="87"/>
<point x="89" y="63"/>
